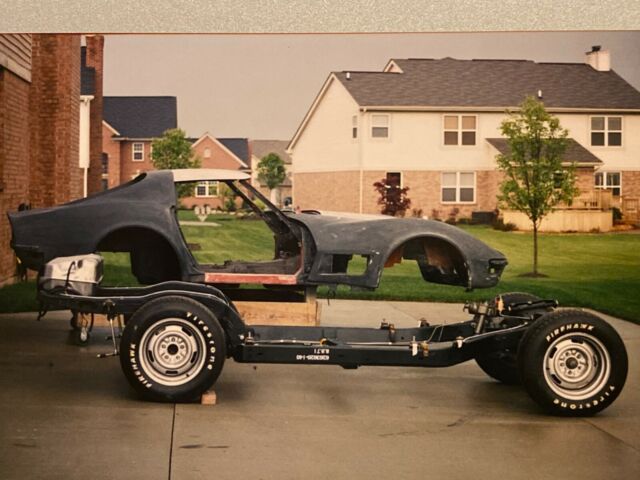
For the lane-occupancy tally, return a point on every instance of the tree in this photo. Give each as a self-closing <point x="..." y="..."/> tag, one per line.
<point x="271" y="172"/>
<point x="535" y="180"/>
<point x="173" y="151"/>
<point x="393" y="198"/>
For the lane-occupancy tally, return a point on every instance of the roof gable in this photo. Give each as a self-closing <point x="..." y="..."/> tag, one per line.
<point x="261" y="148"/>
<point x="237" y="148"/>
<point x="141" y="117"/>
<point x="489" y="83"/>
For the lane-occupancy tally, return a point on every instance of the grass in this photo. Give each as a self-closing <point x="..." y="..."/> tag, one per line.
<point x="600" y="271"/>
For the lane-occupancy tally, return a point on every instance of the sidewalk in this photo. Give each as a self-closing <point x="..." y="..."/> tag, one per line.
<point x="66" y="414"/>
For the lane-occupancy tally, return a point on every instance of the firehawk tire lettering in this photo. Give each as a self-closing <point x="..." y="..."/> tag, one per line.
<point x="590" y="381"/>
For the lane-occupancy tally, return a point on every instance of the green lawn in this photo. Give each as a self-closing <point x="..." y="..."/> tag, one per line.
<point x="600" y="271"/>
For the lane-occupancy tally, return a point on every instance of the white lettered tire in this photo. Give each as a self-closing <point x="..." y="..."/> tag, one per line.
<point x="572" y="363"/>
<point x="172" y="349"/>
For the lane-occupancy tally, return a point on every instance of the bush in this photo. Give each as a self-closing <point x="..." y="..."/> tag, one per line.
<point x="392" y="197"/>
<point x="230" y="204"/>
<point x="416" y="213"/>
<point x="617" y="214"/>
<point x="499" y="224"/>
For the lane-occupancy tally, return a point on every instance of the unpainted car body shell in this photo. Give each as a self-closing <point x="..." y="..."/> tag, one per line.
<point x="140" y="217"/>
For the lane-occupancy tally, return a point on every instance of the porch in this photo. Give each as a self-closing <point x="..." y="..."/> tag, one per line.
<point x="589" y="212"/>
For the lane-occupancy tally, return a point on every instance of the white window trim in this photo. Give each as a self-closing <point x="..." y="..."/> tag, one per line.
<point x="604" y="185"/>
<point x="459" y="130"/>
<point x="207" y="186"/>
<point x="457" y="186"/>
<point x="133" y="152"/>
<point x="606" y="131"/>
<point x="380" y="139"/>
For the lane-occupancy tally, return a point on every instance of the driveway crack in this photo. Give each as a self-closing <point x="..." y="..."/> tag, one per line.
<point x="173" y="426"/>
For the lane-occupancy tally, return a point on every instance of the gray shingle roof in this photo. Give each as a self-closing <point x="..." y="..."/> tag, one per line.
<point x="239" y="147"/>
<point x="490" y="83"/>
<point x="574" y="153"/>
<point x="261" y="148"/>
<point x="141" y="117"/>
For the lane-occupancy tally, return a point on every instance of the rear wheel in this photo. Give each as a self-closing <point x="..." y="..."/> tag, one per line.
<point x="572" y="363"/>
<point x="172" y="349"/>
<point x="502" y="365"/>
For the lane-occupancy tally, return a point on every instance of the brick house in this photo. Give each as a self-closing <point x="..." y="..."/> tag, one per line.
<point x="40" y="124"/>
<point x="129" y="127"/>
<point x="130" y="124"/>
<point x="434" y="126"/>
<point x="262" y="148"/>
<point x="224" y="153"/>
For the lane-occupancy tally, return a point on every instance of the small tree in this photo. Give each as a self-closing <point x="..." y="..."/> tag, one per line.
<point x="172" y="151"/>
<point x="393" y="198"/>
<point x="271" y="172"/>
<point x="535" y="180"/>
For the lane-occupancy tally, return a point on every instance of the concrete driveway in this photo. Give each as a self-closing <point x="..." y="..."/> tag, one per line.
<point x="66" y="414"/>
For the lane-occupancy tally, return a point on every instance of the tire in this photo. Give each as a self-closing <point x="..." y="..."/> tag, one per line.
<point x="503" y="365"/>
<point x="572" y="363"/>
<point x="172" y="349"/>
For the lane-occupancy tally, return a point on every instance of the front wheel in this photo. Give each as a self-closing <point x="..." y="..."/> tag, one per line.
<point x="172" y="349"/>
<point x="572" y="363"/>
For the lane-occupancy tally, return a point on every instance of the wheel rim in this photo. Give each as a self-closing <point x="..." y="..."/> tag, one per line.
<point x="172" y="352"/>
<point x="576" y="366"/>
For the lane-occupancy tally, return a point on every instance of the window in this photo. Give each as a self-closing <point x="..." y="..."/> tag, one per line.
<point x="138" y="152"/>
<point x="354" y="126"/>
<point x="380" y="126"/>
<point x="394" y="179"/>
<point x="207" y="152"/>
<point x="458" y="187"/>
<point x="207" y="189"/>
<point x="606" y="131"/>
<point x="609" y="181"/>
<point x="105" y="163"/>
<point x="460" y="129"/>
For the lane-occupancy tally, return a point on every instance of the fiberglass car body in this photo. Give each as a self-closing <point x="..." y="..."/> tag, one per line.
<point x="310" y="249"/>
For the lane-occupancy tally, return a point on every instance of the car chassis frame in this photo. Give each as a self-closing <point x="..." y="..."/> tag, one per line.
<point x="491" y="329"/>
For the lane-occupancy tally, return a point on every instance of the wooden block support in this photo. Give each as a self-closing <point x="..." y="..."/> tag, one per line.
<point x="209" y="398"/>
<point x="268" y="313"/>
<point x="280" y="313"/>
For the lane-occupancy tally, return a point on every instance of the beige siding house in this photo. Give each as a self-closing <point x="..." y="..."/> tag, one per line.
<point x="435" y="125"/>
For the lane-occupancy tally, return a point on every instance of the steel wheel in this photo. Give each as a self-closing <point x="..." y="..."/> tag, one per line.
<point x="577" y="366"/>
<point x="572" y="363"/>
<point x="172" y="352"/>
<point x="172" y="349"/>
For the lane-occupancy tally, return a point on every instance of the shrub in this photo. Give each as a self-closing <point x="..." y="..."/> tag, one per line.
<point x="504" y="227"/>
<point x="617" y="214"/>
<point x="393" y="198"/>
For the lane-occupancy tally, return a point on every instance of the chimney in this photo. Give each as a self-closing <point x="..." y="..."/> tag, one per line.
<point x="599" y="59"/>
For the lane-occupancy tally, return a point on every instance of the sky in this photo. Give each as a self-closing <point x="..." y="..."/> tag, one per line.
<point x="261" y="86"/>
